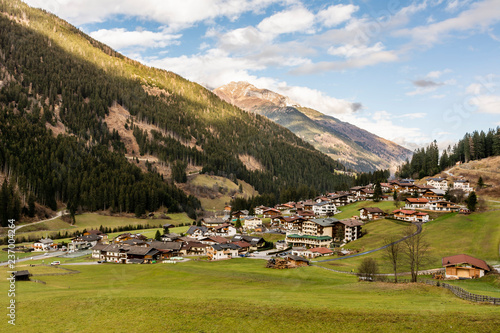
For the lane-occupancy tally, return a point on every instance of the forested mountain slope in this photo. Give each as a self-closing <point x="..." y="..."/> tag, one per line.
<point x="58" y="88"/>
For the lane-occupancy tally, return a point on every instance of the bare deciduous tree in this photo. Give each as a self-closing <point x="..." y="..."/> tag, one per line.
<point x="416" y="250"/>
<point x="392" y="253"/>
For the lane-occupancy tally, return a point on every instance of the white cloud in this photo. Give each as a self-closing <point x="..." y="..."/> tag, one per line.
<point x="121" y="38"/>
<point x="353" y="51"/>
<point x="316" y="99"/>
<point x="288" y="21"/>
<point x="368" y="60"/>
<point x="486" y="103"/>
<point x="478" y="17"/>
<point x="415" y="115"/>
<point x="454" y="5"/>
<point x="380" y="123"/>
<point x="175" y="14"/>
<point x="437" y="74"/>
<point x="336" y="14"/>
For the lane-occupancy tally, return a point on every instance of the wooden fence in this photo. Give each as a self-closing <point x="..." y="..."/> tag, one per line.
<point x="464" y="294"/>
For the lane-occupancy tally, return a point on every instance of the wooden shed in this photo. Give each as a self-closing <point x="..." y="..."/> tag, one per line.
<point x="463" y="266"/>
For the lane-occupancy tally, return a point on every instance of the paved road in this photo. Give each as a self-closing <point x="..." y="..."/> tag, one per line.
<point x="59" y="214"/>
<point x="419" y="230"/>
<point x="83" y="263"/>
<point x="48" y="255"/>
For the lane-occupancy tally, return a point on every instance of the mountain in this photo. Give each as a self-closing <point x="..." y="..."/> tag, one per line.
<point x="83" y="125"/>
<point x="354" y="147"/>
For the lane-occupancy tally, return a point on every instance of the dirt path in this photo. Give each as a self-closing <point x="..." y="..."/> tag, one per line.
<point x="59" y="214"/>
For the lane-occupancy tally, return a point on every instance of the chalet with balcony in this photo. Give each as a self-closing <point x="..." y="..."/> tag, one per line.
<point x="349" y="228"/>
<point x="222" y="251"/>
<point x="371" y="213"/>
<point x="256" y="243"/>
<point x="410" y="215"/>
<point x="434" y="194"/>
<point x="416" y="203"/>
<point x="463" y="184"/>
<point x="438" y="182"/>
<point x="443" y="206"/>
<point x="324" y="208"/>
<point x="251" y="222"/>
<point x="44" y="244"/>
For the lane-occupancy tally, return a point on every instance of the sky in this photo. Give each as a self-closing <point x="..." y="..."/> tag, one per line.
<point x="409" y="71"/>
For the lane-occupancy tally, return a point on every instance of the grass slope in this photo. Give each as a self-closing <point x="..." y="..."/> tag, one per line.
<point x="239" y="295"/>
<point x="94" y="221"/>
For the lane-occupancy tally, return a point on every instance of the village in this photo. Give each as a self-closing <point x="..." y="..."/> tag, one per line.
<point x="309" y="228"/>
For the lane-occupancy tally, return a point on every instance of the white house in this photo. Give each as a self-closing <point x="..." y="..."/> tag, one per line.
<point x="222" y="251"/>
<point x="44" y="244"/>
<point x="416" y="203"/>
<point x="252" y="222"/>
<point x="439" y="183"/>
<point x="443" y="206"/>
<point x="462" y="184"/>
<point x="325" y="208"/>
<point x="352" y="229"/>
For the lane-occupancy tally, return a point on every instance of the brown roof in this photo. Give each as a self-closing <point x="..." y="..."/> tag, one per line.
<point x="465" y="259"/>
<point x="372" y="210"/>
<point x="217" y="239"/>
<point x="322" y="250"/>
<point x="242" y="244"/>
<point x="404" y="211"/>
<point x="351" y="222"/>
<point x="417" y="200"/>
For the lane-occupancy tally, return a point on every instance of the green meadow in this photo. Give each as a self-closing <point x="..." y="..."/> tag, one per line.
<point x="238" y="295"/>
<point x="94" y="221"/>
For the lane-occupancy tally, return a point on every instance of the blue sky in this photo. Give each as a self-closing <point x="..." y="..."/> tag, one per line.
<point x="407" y="71"/>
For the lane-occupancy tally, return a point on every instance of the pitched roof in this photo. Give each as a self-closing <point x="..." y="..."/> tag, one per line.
<point x="417" y="200"/>
<point x="99" y="246"/>
<point x="351" y="222"/>
<point x="465" y="259"/>
<point x="249" y="239"/>
<point x="227" y="246"/>
<point x="372" y="210"/>
<point x="436" y="179"/>
<point x="322" y="250"/>
<point x="141" y="250"/>
<point x="162" y="246"/>
<point x="242" y="244"/>
<point x="216" y="239"/>
<point x="215" y="220"/>
<point x="309" y="237"/>
<point x="192" y="229"/>
<point x="405" y="211"/>
<point x="328" y="222"/>
<point x="190" y="245"/>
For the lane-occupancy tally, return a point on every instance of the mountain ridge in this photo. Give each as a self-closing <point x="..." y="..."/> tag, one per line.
<point x="354" y="147"/>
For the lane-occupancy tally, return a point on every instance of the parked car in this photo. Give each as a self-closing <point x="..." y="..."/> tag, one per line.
<point x="54" y="263"/>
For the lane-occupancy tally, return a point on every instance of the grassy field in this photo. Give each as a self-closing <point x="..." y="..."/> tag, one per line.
<point x="488" y="285"/>
<point x="94" y="221"/>
<point x="238" y="295"/>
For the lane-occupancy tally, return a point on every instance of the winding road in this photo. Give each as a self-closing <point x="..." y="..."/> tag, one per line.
<point x="419" y="230"/>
